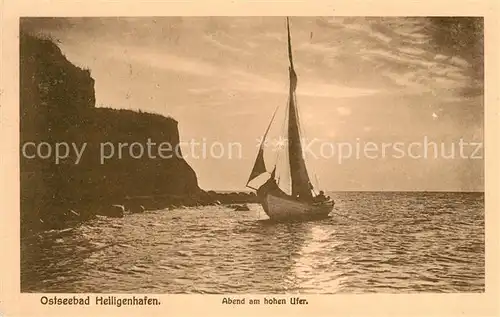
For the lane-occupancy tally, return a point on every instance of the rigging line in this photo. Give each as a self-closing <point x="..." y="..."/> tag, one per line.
<point x="287" y="150"/>
<point x="282" y="132"/>
<point x="268" y="127"/>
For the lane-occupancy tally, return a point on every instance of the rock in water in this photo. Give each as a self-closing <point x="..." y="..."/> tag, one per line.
<point x="136" y="208"/>
<point x="115" y="211"/>
<point x="243" y="207"/>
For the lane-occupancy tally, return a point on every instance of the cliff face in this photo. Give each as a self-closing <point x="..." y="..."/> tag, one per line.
<point x="57" y="105"/>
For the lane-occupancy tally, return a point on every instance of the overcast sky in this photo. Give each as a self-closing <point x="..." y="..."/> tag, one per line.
<point x="359" y="80"/>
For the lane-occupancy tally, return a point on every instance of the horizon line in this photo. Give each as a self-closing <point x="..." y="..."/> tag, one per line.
<point x="367" y="191"/>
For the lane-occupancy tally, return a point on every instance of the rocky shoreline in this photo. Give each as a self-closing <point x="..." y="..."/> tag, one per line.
<point x="71" y="215"/>
<point x="202" y="198"/>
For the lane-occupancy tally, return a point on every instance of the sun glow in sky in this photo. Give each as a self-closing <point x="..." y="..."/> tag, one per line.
<point x="381" y="80"/>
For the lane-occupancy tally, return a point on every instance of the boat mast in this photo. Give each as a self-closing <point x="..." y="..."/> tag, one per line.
<point x="301" y="185"/>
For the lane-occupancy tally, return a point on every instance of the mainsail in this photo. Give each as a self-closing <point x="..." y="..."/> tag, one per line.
<point x="301" y="185"/>
<point x="300" y="182"/>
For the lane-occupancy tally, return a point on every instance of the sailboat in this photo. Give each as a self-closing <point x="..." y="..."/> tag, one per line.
<point x="299" y="201"/>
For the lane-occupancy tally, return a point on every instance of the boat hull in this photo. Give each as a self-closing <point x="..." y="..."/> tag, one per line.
<point x="288" y="209"/>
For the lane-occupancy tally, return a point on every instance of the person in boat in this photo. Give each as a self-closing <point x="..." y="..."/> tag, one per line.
<point x="321" y="197"/>
<point x="270" y="186"/>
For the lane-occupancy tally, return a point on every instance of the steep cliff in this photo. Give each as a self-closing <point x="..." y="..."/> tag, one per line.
<point x="57" y="105"/>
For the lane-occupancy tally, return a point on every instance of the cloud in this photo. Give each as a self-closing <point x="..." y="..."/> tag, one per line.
<point x="274" y="36"/>
<point x="419" y="69"/>
<point x="321" y="48"/>
<point x="201" y="91"/>
<point x="360" y="52"/>
<point x="229" y="78"/>
<point x="411" y="50"/>
<point x="210" y="38"/>
<point x="161" y="60"/>
<point x="400" y="58"/>
<point x="343" y="111"/>
<point x="440" y="57"/>
<point x="459" y="62"/>
<point x="330" y="90"/>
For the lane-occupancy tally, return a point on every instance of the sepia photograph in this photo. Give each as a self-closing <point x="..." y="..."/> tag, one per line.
<point x="252" y="154"/>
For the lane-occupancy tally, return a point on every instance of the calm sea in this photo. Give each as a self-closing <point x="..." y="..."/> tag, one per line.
<point x="374" y="242"/>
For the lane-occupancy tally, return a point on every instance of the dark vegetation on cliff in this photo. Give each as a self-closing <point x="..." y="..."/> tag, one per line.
<point x="57" y="104"/>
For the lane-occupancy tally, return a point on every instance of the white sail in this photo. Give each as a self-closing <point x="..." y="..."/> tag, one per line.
<point x="259" y="166"/>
